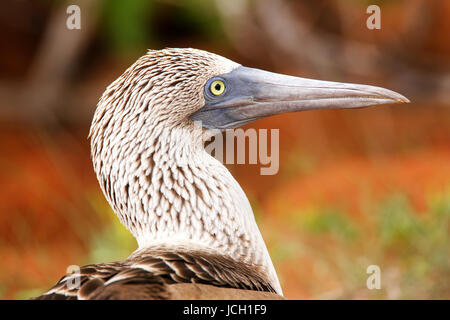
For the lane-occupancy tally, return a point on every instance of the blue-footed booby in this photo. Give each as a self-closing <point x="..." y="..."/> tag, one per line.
<point x="193" y="223"/>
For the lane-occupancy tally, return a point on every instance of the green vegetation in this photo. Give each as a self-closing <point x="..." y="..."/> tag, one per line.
<point x="328" y="220"/>
<point x="114" y="242"/>
<point x="411" y="248"/>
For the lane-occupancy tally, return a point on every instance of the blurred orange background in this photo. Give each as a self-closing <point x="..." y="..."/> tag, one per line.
<point x="355" y="187"/>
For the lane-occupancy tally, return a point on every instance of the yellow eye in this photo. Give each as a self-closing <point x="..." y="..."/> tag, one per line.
<point x="217" y="87"/>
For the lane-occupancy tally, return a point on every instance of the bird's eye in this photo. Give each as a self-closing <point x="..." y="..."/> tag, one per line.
<point x="217" y="87"/>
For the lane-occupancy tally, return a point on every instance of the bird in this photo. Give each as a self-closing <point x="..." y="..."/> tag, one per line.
<point x="195" y="229"/>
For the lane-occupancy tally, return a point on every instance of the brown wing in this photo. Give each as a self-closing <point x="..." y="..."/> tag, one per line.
<point x="152" y="274"/>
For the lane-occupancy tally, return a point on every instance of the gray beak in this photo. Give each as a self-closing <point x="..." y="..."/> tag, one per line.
<point x="253" y="94"/>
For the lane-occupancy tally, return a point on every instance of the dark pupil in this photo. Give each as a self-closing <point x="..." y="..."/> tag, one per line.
<point x="218" y="86"/>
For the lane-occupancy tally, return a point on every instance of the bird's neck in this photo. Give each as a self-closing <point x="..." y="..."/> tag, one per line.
<point x="171" y="191"/>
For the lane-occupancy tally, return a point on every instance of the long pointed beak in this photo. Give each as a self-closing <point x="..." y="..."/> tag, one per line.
<point x="253" y="94"/>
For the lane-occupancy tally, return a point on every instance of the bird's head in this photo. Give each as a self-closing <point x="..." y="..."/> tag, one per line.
<point x="178" y="86"/>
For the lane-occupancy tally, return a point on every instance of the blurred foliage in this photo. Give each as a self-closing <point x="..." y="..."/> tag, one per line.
<point x="126" y="24"/>
<point x="133" y="26"/>
<point x="398" y="225"/>
<point x="317" y="220"/>
<point x="411" y="249"/>
<point x="113" y="242"/>
<point x="201" y="18"/>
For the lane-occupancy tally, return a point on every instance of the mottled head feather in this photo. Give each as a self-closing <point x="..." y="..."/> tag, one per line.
<point x="166" y="83"/>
